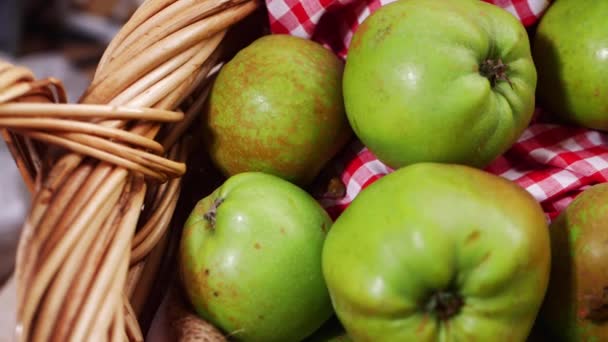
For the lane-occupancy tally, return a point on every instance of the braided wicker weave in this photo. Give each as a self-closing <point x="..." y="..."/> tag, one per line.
<point x="107" y="173"/>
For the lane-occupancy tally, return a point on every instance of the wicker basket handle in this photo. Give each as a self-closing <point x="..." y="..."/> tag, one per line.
<point x="106" y="172"/>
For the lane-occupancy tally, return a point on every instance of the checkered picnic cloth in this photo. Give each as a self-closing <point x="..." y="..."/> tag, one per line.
<point x="552" y="162"/>
<point x="333" y="22"/>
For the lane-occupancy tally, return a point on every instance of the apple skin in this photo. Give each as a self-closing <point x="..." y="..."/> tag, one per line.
<point x="277" y="107"/>
<point x="418" y="85"/>
<point x="250" y="259"/>
<point x="576" y="304"/>
<point x="438" y="252"/>
<point x="570" y="49"/>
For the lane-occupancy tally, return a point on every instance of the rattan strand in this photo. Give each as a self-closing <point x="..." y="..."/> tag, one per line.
<point x="86" y="228"/>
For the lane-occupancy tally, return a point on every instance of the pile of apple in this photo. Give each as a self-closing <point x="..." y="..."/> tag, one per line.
<point x="439" y="249"/>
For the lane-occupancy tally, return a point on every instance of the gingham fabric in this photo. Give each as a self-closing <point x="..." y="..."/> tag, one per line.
<point x="552" y="162"/>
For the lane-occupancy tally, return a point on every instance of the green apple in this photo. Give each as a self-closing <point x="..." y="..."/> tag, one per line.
<point x="250" y="259"/>
<point x="277" y="107"/>
<point x="438" y="252"/>
<point x="570" y="49"/>
<point x="439" y="81"/>
<point x="576" y="304"/>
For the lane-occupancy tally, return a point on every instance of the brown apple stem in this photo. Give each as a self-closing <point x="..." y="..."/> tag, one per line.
<point x="211" y="214"/>
<point x="444" y="304"/>
<point x="494" y="70"/>
<point x="597" y="307"/>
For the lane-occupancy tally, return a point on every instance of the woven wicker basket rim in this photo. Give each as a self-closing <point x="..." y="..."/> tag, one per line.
<point x="106" y="173"/>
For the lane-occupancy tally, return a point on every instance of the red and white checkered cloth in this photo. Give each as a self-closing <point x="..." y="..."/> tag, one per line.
<point x="333" y="22"/>
<point x="552" y="162"/>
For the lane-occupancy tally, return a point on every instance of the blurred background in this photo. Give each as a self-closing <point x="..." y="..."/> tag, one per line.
<point x="63" y="39"/>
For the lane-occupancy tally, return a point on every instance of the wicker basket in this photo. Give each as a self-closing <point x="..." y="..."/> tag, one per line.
<point x="96" y="255"/>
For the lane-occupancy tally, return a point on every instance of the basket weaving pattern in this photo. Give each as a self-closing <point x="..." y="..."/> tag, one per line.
<point x="106" y="173"/>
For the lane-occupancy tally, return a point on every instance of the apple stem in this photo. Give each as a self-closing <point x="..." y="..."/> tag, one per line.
<point x="444" y="304"/>
<point x="494" y="70"/>
<point x="211" y="214"/>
